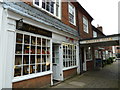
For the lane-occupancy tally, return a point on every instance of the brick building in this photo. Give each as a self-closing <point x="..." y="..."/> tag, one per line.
<point x="40" y="42"/>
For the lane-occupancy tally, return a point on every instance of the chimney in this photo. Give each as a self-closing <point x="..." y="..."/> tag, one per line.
<point x="100" y="28"/>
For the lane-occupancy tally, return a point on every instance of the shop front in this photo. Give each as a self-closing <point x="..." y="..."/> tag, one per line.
<point x="65" y="57"/>
<point x="96" y="50"/>
<point x="34" y="53"/>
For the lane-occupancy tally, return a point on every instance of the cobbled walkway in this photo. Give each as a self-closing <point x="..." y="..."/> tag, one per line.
<point x="104" y="78"/>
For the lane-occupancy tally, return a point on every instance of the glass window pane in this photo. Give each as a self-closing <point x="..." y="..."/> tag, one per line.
<point x="25" y="70"/>
<point x="26" y="59"/>
<point x="39" y="41"/>
<point x="32" y="50"/>
<point x="37" y="2"/>
<point x="19" y="38"/>
<point x="33" y="40"/>
<point x="26" y="39"/>
<point x="18" y="48"/>
<point x="38" y="68"/>
<point x="26" y="49"/>
<point x="18" y="59"/>
<point x="17" y="71"/>
<point x="38" y="50"/>
<point x="32" y="69"/>
<point x="43" y="67"/>
<point x="32" y="59"/>
<point x="38" y="59"/>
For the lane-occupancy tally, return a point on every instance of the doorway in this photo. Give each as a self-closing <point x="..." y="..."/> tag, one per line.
<point x="57" y="64"/>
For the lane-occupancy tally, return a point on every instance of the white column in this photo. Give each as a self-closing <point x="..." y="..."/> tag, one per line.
<point x="1" y="61"/>
<point x="78" y="59"/>
<point x="7" y="49"/>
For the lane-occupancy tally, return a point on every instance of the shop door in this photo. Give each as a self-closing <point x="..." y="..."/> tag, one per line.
<point x="57" y="71"/>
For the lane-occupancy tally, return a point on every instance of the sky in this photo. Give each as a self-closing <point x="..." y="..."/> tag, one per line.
<point x="104" y="13"/>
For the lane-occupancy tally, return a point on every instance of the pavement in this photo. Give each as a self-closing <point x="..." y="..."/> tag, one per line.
<point x="107" y="77"/>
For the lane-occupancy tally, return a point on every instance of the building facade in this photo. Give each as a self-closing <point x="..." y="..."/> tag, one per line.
<point x="40" y="42"/>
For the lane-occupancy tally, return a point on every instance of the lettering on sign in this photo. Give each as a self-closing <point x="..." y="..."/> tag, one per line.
<point x="33" y="29"/>
<point x="97" y="40"/>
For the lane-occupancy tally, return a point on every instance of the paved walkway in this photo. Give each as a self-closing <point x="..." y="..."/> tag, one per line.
<point x="105" y="78"/>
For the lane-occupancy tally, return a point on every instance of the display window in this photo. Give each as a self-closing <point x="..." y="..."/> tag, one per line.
<point x="32" y="54"/>
<point x="88" y="53"/>
<point x="69" y="55"/>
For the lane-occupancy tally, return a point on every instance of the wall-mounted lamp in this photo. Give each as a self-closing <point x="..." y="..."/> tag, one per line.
<point x="19" y="24"/>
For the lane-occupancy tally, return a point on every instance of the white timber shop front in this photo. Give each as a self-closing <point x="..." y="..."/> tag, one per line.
<point x="35" y="50"/>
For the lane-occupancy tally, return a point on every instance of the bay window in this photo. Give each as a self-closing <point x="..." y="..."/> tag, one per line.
<point x="32" y="55"/>
<point x="69" y="55"/>
<point x="51" y="6"/>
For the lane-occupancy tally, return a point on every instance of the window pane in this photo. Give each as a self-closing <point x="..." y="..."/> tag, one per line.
<point x="32" y="50"/>
<point x="25" y="70"/>
<point x="38" y="68"/>
<point x="19" y="38"/>
<point x="32" y="59"/>
<point x="26" y="49"/>
<point x="37" y="2"/>
<point x="17" y="71"/>
<point x="18" y="60"/>
<point x="26" y="59"/>
<point x="32" y="69"/>
<point x="27" y="39"/>
<point x="43" y="67"/>
<point x="18" y="48"/>
<point x="38" y="59"/>
<point x="33" y="40"/>
<point x="71" y="13"/>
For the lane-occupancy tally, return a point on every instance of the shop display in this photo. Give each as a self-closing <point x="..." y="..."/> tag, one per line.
<point x="31" y="55"/>
<point x="69" y="55"/>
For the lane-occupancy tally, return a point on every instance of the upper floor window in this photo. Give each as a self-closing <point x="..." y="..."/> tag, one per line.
<point x="85" y="24"/>
<point x="94" y="34"/>
<point x="71" y="14"/>
<point x="51" y="6"/>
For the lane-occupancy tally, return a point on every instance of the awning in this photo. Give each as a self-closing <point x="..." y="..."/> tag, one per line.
<point x="110" y="40"/>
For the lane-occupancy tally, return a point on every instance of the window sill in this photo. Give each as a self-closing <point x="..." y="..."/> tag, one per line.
<point x="26" y="77"/>
<point x="69" y="68"/>
<point x="72" y="23"/>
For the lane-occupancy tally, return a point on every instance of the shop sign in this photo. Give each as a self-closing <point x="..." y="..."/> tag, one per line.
<point x="33" y="29"/>
<point x="96" y="40"/>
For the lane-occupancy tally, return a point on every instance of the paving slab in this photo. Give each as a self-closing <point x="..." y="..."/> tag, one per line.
<point x="107" y="77"/>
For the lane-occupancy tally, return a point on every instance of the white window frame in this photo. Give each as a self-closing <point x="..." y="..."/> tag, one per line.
<point x="33" y="75"/>
<point x="94" y="34"/>
<point x="90" y="53"/>
<point x="59" y="10"/>
<point x="71" y="5"/>
<point x="72" y="58"/>
<point x="85" y="24"/>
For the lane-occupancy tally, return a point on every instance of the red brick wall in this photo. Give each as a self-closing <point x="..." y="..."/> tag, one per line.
<point x="65" y="15"/>
<point x="69" y="73"/>
<point x="90" y="65"/>
<point x="83" y="34"/>
<point x="34" y="83"/>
